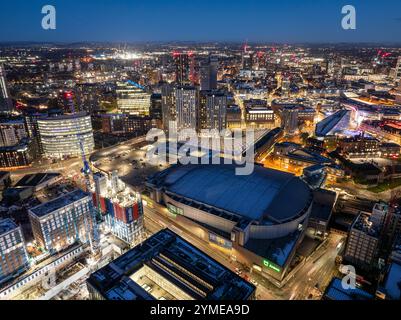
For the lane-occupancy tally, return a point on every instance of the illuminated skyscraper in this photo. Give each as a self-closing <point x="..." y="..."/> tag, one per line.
<point x="397" y="72"/>
<point x="182" y="67"/>
<point x="398" y="94"/>
<point x="168" y="104"/>
<point x="186" y="107"/>
<point x="133" y="100"/>
<point x="247" y="61"/>
<point x="208" y="74"/>
<point x="212" y="110"/>
<point x="290" y="120"/>
<point x="5" y="100"/>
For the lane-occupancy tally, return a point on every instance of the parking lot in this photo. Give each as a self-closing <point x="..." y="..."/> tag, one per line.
<point x="130" y="161"/>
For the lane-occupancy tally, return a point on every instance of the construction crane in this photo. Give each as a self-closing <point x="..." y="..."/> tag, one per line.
<point x="86" y="171"/>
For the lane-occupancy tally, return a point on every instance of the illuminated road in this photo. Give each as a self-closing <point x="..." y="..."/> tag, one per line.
<point x="318" y="270"/>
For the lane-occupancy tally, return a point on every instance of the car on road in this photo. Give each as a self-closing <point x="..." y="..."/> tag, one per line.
<point x="254" y="282"/>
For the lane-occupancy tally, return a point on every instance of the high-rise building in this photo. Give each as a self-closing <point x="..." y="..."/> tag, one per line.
<point x="11" y="132"/>
<point x="88" y="96"/>
<point x="13" y="255"/>
<point x="397" y="71"/>
<point x="182" y="68"/>
<point x="60" y="222"/>
<point x="186" y="101"/>
<point x="363" y="240"/>
<point x="247" y="61"/>
<point x="61" y="136"/>
<point x="6" y="105"/>
<point x="290" y="119"/>
<point x="121" y="207"/>
<point x="156" y="106"/>
<point x="212" y="110"/>
<point x="398" y="93"/>
<point x="132" y="99"/>
<point x="100" y="183"/>
<point x="168" y="105"/>
<point x="18" y="156"/>
<point x="208" y="74"/>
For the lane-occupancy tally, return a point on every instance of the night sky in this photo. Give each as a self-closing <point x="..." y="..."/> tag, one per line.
<point x="283" y="21"/>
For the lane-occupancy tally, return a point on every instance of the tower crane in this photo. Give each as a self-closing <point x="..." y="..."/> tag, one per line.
<point x="93" y="241"/>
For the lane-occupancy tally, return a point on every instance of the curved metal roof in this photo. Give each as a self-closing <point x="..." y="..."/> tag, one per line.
<point x="265" y="194"/>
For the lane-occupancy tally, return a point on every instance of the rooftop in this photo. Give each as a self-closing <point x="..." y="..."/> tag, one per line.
<point x="363" y="223"/>
<point x="176" y="260"/>
<point x="308" y="156"/>
<point x="392" y="284"/>
<point x="22" y="146"/>
<point x="7" y="225"/>
<point x="265" y="194"/>
<point x="32" y="180"/>
<point x="60" y="202"/>
<point x="65" y="117"/>
<point x="335" y="291"/>
<point x="327" y="125"/>
<point x="277" y="250"/>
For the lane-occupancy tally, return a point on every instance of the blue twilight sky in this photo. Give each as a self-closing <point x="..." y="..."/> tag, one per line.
<point x="201" y="20"/>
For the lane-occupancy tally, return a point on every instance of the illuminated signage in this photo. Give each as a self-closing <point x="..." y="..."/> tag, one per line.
<point x="174" y="210"/>
<point x="271" y="265"/>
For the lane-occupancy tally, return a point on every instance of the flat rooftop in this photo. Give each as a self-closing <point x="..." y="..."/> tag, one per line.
<point x="392" y="284"/>
<point x="335" y="291"/>
<point x="174" y="261"/>
<point x="60" y="202"/>
<point x="265" y="194"/>
<point x="363" y="224"/>
<point x="7" y="225"/>
<point x="33" y="180"/>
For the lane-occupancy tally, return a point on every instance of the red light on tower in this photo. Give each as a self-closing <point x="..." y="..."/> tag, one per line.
<point x="68" y="95"/>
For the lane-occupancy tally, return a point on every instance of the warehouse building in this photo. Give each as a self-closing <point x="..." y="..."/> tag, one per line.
<point x="167" y="267"/>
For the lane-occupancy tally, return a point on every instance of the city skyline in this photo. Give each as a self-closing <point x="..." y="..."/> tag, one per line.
<point x="262" y="165"/>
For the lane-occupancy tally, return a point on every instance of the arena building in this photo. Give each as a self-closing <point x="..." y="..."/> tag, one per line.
<point x="258" y="219"/>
